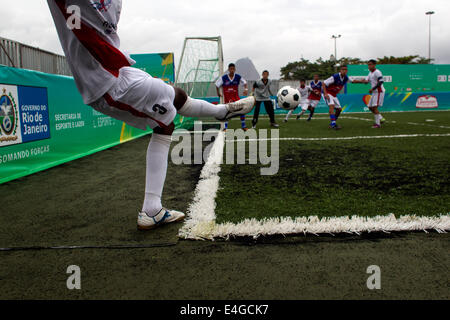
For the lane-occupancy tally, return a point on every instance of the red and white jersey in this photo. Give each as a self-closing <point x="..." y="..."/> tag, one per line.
<point x="373" y="79"/>
<point x="230" y="86"/>
<point x="92" y="50"/>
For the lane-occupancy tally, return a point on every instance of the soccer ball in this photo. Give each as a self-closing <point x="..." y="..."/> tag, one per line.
<point x="288" y="98"/>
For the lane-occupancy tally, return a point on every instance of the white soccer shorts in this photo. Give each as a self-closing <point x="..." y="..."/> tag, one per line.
<point x="314" y="103"/>
<point x="139" y="100"/>
<point x="377" y="100"/>
<point x="333" y="101"/>
<point x="304" y="105"/>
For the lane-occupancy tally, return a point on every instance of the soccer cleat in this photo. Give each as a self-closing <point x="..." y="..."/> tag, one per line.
<point x="376" y="126"/>
<point x="239" y="108"/>
<point x="383" y="120"/>
<point x="299" y="117"/>
<point x="336" y="127"/>
<point x="245" y="129"/>
<point x="163" y="217"/>
<point x="285" y="121"/>
<point x="274" y="125"/>
<point x="309" y="119"/>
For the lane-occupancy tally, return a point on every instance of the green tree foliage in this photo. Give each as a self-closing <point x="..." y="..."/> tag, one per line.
<point x="305" y="69"/>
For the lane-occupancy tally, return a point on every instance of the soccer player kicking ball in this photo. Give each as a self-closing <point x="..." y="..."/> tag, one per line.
<point x="304" y="103"/>
<point x="376" y="80"/>
<point x="315" y="96"/>
<point x="230" y="83"/>
<point x="108" y="83"/>
<point x="331" y="88"/>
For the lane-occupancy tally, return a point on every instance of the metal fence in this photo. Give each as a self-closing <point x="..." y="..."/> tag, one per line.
<point x="18" y="55"/>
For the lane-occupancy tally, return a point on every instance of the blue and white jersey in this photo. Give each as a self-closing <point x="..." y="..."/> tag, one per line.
<point x="316" y="90"/>
<point x="336" y="83"/>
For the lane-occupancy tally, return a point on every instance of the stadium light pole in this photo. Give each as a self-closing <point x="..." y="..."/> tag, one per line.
<point x="429" y="14"/>
<point x="335" y="44"/>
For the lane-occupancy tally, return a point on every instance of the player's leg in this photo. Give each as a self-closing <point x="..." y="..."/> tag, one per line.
<point x="373" y="107"/>
<point x="289" y="115"/>
<point x="256" y="114"/>
<point x="332" y="115"/>
<point x="337" y="112"/>
<point x="189" y="107"/>
<point x="268" y="105"/>
<point x="142" y="102"/>
<point x="331" y="110"/>
<point x="379" y="105"/>
<point x="377" y="116"/>
<point x="303" y="110"/>
<point x="312" y="109"/>
<point x="243" y="123"/>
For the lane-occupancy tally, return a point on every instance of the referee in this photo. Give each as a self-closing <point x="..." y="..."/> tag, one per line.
<point x="262" y="92"/>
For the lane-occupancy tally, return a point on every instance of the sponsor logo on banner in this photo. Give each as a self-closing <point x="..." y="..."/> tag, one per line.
<point x="427" y="102"/>
<point x="366" y="99"/>
<point x="10" y="132"/>
<point x="23" y="114"/>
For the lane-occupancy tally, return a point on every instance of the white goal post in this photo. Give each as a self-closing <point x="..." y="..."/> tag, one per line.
<point x="201" y="63"/>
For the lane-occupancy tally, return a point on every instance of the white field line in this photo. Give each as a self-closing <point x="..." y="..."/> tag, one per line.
<point x="410" y="123"/>
<point x="201" y="221"/>
<point x="201" y="214"/>
<point x="399" y="136"/>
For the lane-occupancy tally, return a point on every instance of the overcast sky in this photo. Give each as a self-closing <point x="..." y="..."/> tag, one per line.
<point x="271" y="33"/>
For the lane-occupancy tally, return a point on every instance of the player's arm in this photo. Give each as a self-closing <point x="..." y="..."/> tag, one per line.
<point x="245" y="84"/>
<point x="361" y="81"/>
<point x="219" y="84"/>
<point x="326" y="83"/>
<point x="254" y="87"/>
<point x="379" y="84"/>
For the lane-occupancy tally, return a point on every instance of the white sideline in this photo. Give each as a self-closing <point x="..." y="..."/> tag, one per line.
<point x="201" y="218"/>
<point x="347" y="138"/>
<point x="201" y="214"/>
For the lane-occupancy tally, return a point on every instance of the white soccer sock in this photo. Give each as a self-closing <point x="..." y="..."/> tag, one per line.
<point x="157" y="158"/>
<point x="289" y="114"/>
<point x="378" y="118"/>
<point x="202" y="108"/>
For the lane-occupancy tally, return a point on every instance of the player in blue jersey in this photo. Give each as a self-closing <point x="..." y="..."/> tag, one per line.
<point x="331" y="88"/>
<point x="230" y="83"/>
<point x="315" y="96"/>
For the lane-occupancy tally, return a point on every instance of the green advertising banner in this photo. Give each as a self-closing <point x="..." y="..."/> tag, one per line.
<point x="160" y="65"/>
<point x="404" y="78"/>
<point x="44" y="123"/>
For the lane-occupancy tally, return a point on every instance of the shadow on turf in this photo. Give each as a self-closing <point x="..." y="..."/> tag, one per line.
<point x="321" y="238"/>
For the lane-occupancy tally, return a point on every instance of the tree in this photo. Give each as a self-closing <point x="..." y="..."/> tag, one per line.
<point x="416" y="59"/>
<point x="305" y="69"/>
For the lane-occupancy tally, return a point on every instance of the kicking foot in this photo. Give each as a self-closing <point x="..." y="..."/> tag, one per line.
<point x="376" y="126"/>
<point x="163" y="217"/>
<point x="239" y="108"/>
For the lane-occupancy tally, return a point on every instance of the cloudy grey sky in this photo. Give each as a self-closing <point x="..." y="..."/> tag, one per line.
<point x="271" y="33"/>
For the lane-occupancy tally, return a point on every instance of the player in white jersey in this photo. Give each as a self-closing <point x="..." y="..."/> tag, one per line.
<point x="376" y="80"/>
<point x="304" y="101"/>
<point x="87" y="30"/>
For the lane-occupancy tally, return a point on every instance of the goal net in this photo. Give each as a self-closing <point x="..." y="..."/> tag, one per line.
<point x="201" y="64"/>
